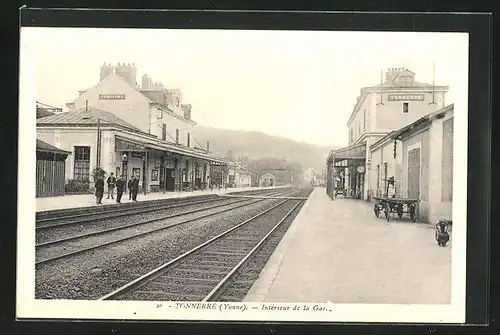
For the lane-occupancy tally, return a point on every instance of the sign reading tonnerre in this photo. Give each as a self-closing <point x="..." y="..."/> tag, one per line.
<point x="406" y="97"/>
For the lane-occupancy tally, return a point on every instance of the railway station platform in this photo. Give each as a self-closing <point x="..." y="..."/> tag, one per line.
<point x="339" y="252"/>
<point x="87" y="200"/>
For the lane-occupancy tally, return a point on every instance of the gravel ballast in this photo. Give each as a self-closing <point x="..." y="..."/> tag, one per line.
<point x="229" y="250"/>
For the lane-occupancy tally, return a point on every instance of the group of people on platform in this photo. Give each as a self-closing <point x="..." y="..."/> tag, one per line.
<point x="119" y="184"/>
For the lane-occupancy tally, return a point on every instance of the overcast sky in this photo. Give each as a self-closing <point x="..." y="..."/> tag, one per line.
<point x="293" y="84"/>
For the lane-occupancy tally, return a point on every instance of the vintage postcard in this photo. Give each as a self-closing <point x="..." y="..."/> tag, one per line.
<point x="242" y="175"/>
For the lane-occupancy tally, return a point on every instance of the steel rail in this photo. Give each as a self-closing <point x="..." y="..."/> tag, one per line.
<point x="134" y="224"/>
<point x="121" y="212"/>
<point x="117" y="212"/>
<point x="217" y="289"/>
<point x="146" y="278"/>
<point x="43" y="261"/>
<point x="43" y="244"/>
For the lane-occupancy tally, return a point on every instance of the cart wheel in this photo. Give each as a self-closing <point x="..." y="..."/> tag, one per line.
<point x="387" y="212"/>
<point x="413" y="215"/>
<point x="376" y="209"/>
<point x="400" y="211"/>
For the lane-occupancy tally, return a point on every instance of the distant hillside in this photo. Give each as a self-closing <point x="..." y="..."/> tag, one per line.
<point x="257" y="145"/>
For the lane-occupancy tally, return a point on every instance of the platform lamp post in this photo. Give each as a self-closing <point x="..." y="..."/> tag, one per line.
<point x="144" y="159"/>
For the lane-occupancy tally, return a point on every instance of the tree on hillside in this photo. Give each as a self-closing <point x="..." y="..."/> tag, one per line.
<point x="229" y="155"/>
<point x="41" y="112"/>
<point x="244" y="160"/>
<point x="284" y="171"/>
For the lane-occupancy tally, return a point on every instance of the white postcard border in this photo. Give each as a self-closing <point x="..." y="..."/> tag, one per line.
<point x="28" y="307"/>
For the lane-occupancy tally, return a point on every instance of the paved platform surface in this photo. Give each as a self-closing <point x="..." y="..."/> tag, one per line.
<point x="86" y="200"/>
<point x="338" y="251"/>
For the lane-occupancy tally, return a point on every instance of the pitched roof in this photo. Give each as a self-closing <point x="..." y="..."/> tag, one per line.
<point x="383" y="139"/>
<point x="44" y="146"/>
<point x="109" y="76"/>
<point x="84" y="117"/>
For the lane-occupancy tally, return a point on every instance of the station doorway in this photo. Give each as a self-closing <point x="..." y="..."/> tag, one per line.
<point x="169" y="179"/>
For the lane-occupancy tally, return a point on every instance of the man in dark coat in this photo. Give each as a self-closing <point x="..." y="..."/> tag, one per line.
<point x="135" y="188"/>
<point x="129" y="185"/>
<point x="111" y="185"/>
<point x="99" y="189"/>
<point x="120" y="186"/>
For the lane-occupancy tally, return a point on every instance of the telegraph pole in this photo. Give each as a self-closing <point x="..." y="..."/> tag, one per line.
<point x="98" y="142"/>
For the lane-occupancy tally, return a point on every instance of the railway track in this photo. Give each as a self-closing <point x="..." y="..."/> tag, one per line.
<point x="69" y="246"/>
<point x="79" y="218"/>
<point x="204" y="272"/>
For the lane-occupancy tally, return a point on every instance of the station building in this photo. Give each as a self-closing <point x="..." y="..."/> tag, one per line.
<point x="419" y="157"/>
<point x="130" y="129"/>
<point x="267" y="179"/>
<point x="380" y="109"/>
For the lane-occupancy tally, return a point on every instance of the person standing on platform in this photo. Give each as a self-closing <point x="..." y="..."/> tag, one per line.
<point x="135" y="188"/>
<point x="120" y="186"/>
<point x="111" y="185"/>
<point x="99" y="190"/>
<point x="130" y="182"/>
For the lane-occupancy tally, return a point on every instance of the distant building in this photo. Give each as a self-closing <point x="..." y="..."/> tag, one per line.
<point x="380" y="109"/>
<point x="238" y="175"/>
<point x="310" y="176"/>
<point x="267" y="180"/>
<point x="43" y="110"/>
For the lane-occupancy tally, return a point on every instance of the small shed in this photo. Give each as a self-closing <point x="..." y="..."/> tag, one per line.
<point x="50" y="167"/>
<point x="267" y="180"/>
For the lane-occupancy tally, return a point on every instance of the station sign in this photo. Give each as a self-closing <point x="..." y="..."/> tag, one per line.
<point x="111" y="96"/>
<point x="406" y="97"/>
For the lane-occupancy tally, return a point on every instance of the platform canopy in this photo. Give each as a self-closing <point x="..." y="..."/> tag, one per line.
<point x="134" y="145"/>
<point x="353" y="152"/>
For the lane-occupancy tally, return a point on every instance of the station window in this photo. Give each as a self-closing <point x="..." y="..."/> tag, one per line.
<point x="81" y="168"/>
<point x="177" y="136"/>
<point x="405" y="107"/>
<point x="188" y="139"/>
